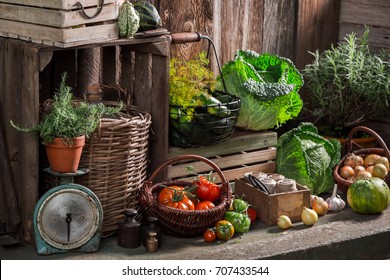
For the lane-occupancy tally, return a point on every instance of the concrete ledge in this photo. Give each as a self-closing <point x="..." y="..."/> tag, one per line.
<point x="344" y="235"/>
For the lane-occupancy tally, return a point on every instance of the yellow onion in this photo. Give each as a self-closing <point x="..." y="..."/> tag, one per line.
<point x="320" y="206"/>
<point x="353" y="160"/>
<point x="284" y="222"/>
<point x="309" y="216"/>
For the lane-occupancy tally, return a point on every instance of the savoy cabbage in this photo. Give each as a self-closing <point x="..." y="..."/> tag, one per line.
<point x="267" y="86"/>
<point x="308" y="158"/>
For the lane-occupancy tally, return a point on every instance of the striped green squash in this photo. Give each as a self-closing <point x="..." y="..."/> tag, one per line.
<point x="128" y="20"/>
<point x="368" y="196"/>
<point x="149" y="16"/>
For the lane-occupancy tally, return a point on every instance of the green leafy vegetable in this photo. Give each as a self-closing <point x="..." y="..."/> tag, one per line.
<point x="308" y="158"/>
<point x="267" y="86"/>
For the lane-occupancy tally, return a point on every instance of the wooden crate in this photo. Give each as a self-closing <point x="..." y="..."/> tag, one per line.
<point x="243" y="152"/>
<point x="30" y="72"/>
<point x="355" y="14"/>
<point x="270" y="207"/>
<point x="58" y="22"/>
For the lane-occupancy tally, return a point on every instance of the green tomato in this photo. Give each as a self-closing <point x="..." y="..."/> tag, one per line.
<point x="240" y="222"/>
<point x="240" y="205"/>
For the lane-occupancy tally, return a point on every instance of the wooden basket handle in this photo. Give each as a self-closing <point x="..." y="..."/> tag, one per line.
<point x="349" y="143"/>
<point x="147" y="194"/>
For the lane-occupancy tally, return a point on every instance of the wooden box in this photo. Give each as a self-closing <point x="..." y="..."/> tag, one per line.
<point x="270" y="207"/>
<point x="243" y="152"/>
<point x="59" y="22"/>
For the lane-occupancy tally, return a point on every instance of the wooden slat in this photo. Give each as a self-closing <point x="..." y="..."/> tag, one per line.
<point x="12" y="85"/>
<point x="56" y="4"/>
<point x="160" y="105"/>
<point x="317" y="28"/>
<point x="29" y="115"/>
<point x="370" y="13"/>
<point x="54" y="18"/>
<point x="4" y="217"/>
<point x="227" y="162"/>
<point x="232" y="174"/>
<point x="151" y="87"/>
<point x="127" y="70"/>
<point x="237" y="25"/>
<point x="246" y="141"/>
<point x="278" y="29"/>
<point x="157" y="48"/>
<point x="58" y="37"/>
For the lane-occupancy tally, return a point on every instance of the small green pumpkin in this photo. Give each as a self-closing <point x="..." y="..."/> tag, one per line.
<point x="128" y="20"/>
<point x="148" y="14"/>
<point x="368" y="196"/>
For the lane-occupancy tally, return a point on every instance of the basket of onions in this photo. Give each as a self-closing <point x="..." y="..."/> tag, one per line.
<point x="362" y="163"/>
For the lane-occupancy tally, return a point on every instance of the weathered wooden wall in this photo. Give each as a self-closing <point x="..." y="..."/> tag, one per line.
<point x="288" y="28"/>
<point x="355" y="14"/>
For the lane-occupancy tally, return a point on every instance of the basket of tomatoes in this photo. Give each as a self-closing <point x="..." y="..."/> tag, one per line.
<point x="361" y="163"/>
<point x="188" y="207"/>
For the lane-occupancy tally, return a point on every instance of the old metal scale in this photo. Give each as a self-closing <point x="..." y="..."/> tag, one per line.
<point x="67" y="217"/>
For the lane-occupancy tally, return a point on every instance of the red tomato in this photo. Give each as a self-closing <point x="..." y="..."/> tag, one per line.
<point x="224" y="230"/>
<point x="207" y="190"/>
<point x="175" y="197"/>
<point x="209" y="235"/>
<point x="252" y="214"/>
<point x="204" y="205"/>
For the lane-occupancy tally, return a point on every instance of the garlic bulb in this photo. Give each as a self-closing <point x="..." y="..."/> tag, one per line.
<point x="335" y="202"/>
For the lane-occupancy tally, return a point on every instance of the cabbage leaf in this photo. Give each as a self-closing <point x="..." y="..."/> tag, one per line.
<point x="308" y="158"/>
<point x="267" y="86"/>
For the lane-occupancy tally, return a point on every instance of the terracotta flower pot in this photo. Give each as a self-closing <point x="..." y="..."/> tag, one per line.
<point x="63" y="157"/>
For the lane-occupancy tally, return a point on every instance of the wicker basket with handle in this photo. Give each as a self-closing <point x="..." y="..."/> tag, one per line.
<point x="350" y="147"/>
<point x="116" y="156"/>
<point x="183" y="223"/>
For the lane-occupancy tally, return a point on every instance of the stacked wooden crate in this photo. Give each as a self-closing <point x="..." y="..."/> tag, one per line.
<point x="60" y="23"/>
<point x="243" y="152"/>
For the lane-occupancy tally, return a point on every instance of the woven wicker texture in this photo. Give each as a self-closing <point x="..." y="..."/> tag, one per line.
<point x="351" y="147"/>
<point x="116" y="156"/>
<point x="183" y="223"/>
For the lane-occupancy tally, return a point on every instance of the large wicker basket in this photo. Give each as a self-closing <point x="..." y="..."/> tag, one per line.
<point x="116" y="156"/>
<point x="351" y="147"/>
<point x="183" y="223"/>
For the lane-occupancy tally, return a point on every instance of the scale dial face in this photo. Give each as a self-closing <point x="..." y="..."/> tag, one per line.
<point x="68" y="218"/>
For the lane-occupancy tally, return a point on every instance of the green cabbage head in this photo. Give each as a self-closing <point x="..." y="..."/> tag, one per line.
<point x="308" y="158"/>
<point x="267" y="86"/>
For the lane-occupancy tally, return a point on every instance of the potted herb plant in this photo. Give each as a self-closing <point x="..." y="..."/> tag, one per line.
<point x="65" y="127"/>
<point x="347" y="85"/>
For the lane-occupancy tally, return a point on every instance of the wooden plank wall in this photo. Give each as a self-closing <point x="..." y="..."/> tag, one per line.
<point x="355" y="14"/>
<point x="288" y="28"/>
<point x="24" y="172"/>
